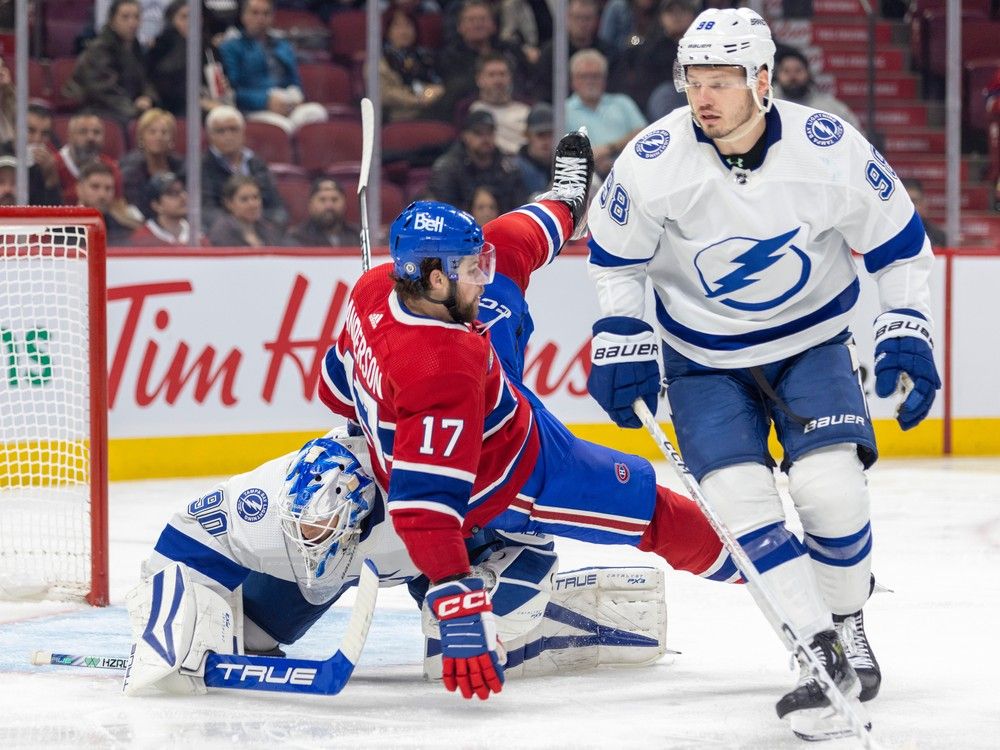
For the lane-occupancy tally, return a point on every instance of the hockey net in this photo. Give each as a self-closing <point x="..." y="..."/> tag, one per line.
<point x="53" y="423"/>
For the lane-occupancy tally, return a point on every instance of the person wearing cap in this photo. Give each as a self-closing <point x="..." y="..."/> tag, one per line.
<point x="475" y="160"/>
<point x="167" y="198"/>
<point x="793" y="82"/>
<point x="534" y="160"/>
<point x="496" y="88"/>
<point x="327" y="225"/>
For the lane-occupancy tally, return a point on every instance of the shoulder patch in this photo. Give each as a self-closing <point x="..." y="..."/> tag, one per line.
<point x="823" y="129"/>
<point x="652" y="144"/>
<point x="252" y="504"/>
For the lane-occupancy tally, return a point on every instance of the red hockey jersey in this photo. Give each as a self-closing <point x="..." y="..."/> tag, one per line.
<point x="450" y="436"/>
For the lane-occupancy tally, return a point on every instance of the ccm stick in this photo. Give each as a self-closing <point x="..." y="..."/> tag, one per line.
<point x="766" y="600"/>
<point x="270" y="673"/>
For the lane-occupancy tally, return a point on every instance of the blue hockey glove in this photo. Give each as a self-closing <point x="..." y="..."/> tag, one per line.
<point x="903" y="345"/>
<point x="624" y="366"/>
<point x="469" y="658"/>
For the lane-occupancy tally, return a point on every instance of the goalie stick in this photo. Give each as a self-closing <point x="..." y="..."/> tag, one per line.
<point x="367" y="148"/>
<point x="772" y="609"/>
<point x="270" y="673"/>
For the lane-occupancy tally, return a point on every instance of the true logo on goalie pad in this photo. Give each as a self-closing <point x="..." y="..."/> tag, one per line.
<point x="273" y="675"/>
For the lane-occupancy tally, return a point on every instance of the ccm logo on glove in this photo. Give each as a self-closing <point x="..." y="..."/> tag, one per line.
<point x="467" y="604"/>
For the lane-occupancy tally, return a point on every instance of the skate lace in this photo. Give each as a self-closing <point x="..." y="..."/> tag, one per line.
<point x="852" y="635"/>
<point x="569" y="175"/>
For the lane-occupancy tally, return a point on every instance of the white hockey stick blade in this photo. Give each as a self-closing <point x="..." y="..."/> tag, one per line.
<point x="772" y="610"/>
<point x="367" y="143"/>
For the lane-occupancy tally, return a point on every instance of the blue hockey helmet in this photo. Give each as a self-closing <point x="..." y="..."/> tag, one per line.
<point x="431" y="229"/>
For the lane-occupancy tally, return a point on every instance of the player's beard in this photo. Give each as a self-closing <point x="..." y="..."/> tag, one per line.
<point x="464" y="312"/>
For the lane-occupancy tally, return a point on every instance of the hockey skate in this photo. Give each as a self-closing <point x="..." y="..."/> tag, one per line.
<point x="572" y="174"/>
<point x="808" y="709"/>
<point x="851" y="630"/>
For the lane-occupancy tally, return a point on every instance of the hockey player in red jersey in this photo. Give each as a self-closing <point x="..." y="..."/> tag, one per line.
<point x="429" y="364"/>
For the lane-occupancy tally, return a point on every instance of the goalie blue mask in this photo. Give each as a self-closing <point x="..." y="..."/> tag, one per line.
<point x="326" y="495"/>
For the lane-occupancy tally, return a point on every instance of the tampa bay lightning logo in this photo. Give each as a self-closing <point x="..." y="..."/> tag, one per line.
<point x="823" y="129"/>
<point x="730" y="271"/>
<point x="652" y="144"/>
<point x="252" y="504"/>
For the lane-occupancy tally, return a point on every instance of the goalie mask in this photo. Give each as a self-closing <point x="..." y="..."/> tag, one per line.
<point x="326" y="495"/>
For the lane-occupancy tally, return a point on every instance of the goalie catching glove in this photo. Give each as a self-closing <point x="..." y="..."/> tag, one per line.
<point x="470" y="660"/>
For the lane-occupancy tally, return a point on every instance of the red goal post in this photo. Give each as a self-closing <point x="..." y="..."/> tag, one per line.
<point x="53" y="404"/>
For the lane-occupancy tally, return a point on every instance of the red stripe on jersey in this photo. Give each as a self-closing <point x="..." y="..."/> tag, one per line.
<point x="523" y="246"/>
<point x="628" y="527"/>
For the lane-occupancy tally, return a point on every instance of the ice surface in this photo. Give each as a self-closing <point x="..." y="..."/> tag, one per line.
<point x="937" y="544"/>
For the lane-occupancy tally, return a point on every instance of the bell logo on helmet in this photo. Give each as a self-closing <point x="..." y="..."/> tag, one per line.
<point x="427" y="223"/>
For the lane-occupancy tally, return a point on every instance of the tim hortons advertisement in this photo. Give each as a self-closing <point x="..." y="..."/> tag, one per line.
<point x="227" y="345"/>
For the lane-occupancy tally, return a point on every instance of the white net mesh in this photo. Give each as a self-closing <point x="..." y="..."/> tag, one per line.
<point x="45" y="494"/>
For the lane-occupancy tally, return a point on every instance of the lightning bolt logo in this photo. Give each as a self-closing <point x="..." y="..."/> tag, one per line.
<point x="751" y="265"/>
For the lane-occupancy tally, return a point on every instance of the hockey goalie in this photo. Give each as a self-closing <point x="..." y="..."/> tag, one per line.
<point x="253" y="564"/>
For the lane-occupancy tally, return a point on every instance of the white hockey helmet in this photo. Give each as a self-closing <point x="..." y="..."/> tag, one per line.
<point x="726" y="36"/>
<point x="327" y="493"/>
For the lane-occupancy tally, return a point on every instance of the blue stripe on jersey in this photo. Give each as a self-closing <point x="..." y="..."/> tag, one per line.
<point x="551" y="228"/>
<point x="178" y="546"/>
<point x="841" y="551"/>
<point x="724" y="573"/>
<point x="334" y="368"/>
<point x="405" y="484"/>
<point x="601" y="257"/>
<point x="906" y="244"/>
<point x="839" y="305"/>
<point x="771" y="546"/>
<point x="507" y="405"/>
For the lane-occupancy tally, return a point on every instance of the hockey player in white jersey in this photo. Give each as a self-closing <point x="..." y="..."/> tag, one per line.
<point x="742" y="211"/>
<point x="266" y="553"/>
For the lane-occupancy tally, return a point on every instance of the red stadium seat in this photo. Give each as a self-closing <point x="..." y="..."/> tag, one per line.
<point x="392" y="199"/>
<point x="430" y="30"/>
<point x="348" y="35"/>
<point x="294" y="191"/>
<point x="978" y="75"/>
<point x="60" y="71"/>
<point x="297" y="21"/>
<point x="323" y="143"/>
<point x="327" y="84"/>
<point x="270" y="142"/>
<point x="402" y="137"/>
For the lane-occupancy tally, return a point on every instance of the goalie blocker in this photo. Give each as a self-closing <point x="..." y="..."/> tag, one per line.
<point x="579" y="620"/>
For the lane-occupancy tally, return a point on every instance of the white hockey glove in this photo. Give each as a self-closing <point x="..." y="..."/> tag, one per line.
<point x="175" y="624"/>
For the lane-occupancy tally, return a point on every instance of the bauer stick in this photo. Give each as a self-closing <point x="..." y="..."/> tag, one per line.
<point x="367" y="147"/>
<point x="270" y="673"/>
<point x="772" y="610"/>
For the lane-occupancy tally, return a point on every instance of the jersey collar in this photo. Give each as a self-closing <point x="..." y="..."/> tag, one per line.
<point x="772" y="134"/>
<point x="405" y="316"/>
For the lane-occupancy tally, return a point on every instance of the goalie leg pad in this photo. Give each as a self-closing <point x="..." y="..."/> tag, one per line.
<point x="596" y="617"/>
<point x="175" y="624"/>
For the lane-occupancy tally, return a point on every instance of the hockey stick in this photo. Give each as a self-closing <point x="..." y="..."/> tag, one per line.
<point x="271" y="673"/>
<point x="772" y="610"/>
<point x="367" y="147"/>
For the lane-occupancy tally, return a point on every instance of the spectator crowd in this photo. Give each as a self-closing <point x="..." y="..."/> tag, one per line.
<point x="480" y="71"/>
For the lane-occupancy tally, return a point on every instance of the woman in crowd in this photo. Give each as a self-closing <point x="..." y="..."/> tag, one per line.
<point x="154" y="154"/>
<point x="243" y="223"/>
<point x="411" y="88"/>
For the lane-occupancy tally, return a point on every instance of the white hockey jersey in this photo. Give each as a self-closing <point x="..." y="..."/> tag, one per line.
<point x="234" y="530"/>
<point x="750" y="267"/>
